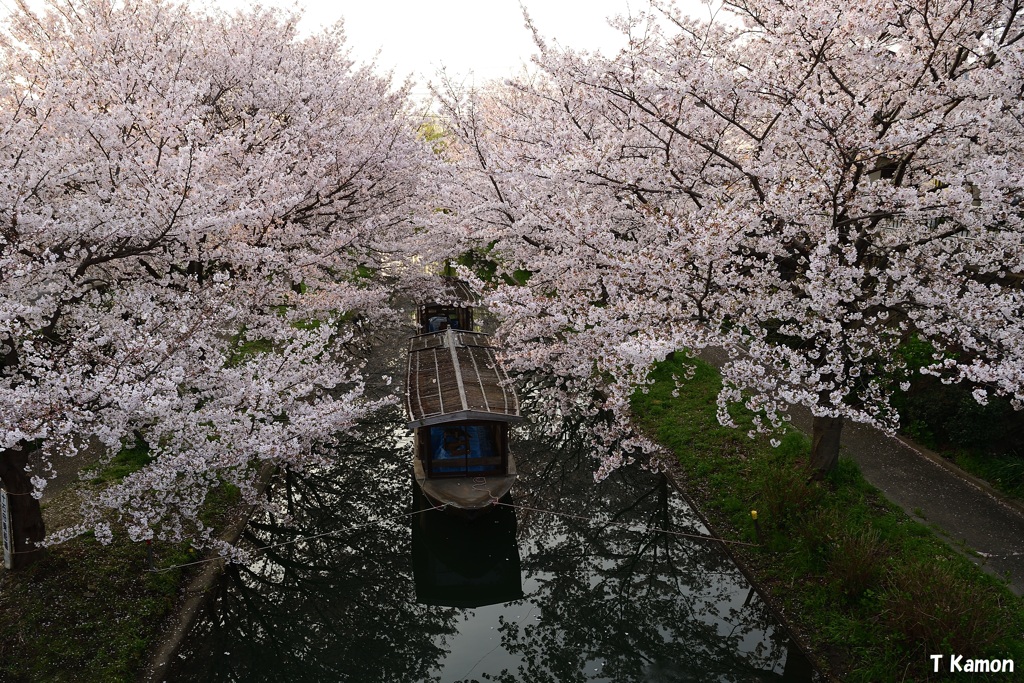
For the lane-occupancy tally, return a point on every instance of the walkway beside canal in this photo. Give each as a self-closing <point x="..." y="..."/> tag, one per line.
<point x="964" y="511"/>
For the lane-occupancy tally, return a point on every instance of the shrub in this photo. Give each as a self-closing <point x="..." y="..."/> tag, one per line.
<point x="936" y="610"/>
<point x="818" y="531"/>
<point x="857" y="561"/>
<point x="786" y="495"/>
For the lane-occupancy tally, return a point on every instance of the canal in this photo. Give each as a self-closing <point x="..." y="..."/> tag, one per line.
<point x="567" y="580"/>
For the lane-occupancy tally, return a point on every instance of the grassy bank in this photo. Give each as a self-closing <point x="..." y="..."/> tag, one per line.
<point x="872" y="592"/>
<point x="984" y="440"/>
<point x="87" y="612"/>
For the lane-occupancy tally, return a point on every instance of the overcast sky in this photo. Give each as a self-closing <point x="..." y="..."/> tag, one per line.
<point x="486" y="37"/>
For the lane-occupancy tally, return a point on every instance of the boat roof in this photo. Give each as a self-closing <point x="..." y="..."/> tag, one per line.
<point x="454" y="375"/>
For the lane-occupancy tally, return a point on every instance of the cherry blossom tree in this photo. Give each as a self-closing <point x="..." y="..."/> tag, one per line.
<point x="805" y="184"/>
<point x="188" y="203"/>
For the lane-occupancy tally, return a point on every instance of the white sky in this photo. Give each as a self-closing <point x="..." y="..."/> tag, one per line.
<point x="485" y="37"/>
<point x="476" y="40"/>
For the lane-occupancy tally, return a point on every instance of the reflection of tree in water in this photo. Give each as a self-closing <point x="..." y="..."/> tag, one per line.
<point x="614" y="602"/>
<point x="603" y="602"/>
<point x="337" y="607"/>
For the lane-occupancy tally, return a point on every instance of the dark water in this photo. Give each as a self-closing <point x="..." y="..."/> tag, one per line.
<point x="589" y="585"/>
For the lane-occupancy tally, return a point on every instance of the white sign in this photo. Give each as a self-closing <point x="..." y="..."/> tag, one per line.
<point x="5" y="526"/>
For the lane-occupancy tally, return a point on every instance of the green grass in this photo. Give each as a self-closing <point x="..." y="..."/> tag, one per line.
<point x="128" y="460"/>
<point x="872" y="591"/>
<point x="88" y="612"/>
<point x="244" y="350"/>
<point x="85" y="612"/>
<point x="1004" y="471"/>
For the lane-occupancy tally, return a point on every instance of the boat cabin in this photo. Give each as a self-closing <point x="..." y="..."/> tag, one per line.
<point x="460" y="449"/>
<point x="456" y="315"/>
<point x="439" y="317"/>
<point x="460" y="406"/>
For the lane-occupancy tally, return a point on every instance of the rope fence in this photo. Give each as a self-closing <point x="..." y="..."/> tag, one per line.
<point x="495" y="502"/>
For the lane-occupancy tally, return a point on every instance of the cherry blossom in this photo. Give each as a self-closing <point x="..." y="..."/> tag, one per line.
<point x="805" y="185"/>
<point x="189" y="200"/>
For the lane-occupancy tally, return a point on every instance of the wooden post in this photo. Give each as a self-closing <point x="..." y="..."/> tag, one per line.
<point x="25" y="518"/>
<point x="5" y="528"/>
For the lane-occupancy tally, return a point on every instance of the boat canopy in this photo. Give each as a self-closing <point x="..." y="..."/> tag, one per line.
<point x="454" y="376"/>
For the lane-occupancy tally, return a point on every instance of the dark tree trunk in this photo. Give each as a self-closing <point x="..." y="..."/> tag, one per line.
<point x="824" y="445"/>
<point x="26" y="516"/>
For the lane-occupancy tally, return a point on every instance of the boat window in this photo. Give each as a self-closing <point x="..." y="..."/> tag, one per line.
<point x="436" y="318"/>
<point x="457" y="449"/>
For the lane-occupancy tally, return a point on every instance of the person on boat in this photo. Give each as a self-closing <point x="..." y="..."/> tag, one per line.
<point x="437" y="323"/>
<point x="453" y="444"/>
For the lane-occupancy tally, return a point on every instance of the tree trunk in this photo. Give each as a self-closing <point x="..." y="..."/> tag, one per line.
<point x="26" y="516"/>
<point x="824" y="445"/>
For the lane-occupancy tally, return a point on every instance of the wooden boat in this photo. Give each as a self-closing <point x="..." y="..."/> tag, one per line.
<point x="460" y="405"/>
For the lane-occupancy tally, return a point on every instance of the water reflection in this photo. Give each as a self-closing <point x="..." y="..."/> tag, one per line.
<point x="593" y="582"/>
<point x="619" y="593"/>
<point x="462" y="562"/>
<point x="330" y="607"/>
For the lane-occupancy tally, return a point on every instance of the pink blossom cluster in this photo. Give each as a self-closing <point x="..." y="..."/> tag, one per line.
<point x="806" y="185"/>
<point x="188" y="202"/>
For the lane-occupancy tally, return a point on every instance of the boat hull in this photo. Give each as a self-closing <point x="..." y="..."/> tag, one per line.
<point x="466" y="495"/>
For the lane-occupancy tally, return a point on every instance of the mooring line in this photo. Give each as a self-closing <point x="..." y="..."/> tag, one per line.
<point x="494" y="501"/>
<point x="480" y="484"/>
<point x="304" y="538"/>
<point x="626" y="525"/>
